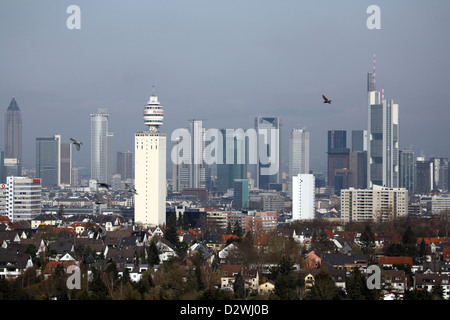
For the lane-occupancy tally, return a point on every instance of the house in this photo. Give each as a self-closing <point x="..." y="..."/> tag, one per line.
<point x="51" y="267"/>
<point x="45" y="219"/>
<point x="428" y="280"/>
<point x="225" y="252"/>
<point x="57" y="249"/>
<point x="166" y="250"/>
<point x="346" y="261"/>
<point x="13" y="263"/>
<point x="229" y="273"/>
<point x="266" y="287"/>
<point x="206" y="252"/>
<point x="395" y="283"/>
<point x="385" y="261"/>
<point x="311" y="260"/>
<point x="112" y="238"/>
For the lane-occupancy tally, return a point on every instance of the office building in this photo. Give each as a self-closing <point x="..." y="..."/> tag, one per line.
<point x="359" y="140"/>
<point x="338" y="160"/>
<point x="376" y="204"/>
<point x="298" y="152"/>
<point x="101" y="147"/>
<point x="124" y="165"/>
<point x="150" y="168"/>
<point x="440" y="173"/>
<point x="48" y="160"/>
<point x="268" y="164"/>
<point x="233" y="164"/>
<point x="240" y="195"/>
<point x="407" y="170"/>
<point x="303" y="197"/>
<point x="13" y="134"/>
<point x="424" y="176"/>
<point x="383" y="138"/>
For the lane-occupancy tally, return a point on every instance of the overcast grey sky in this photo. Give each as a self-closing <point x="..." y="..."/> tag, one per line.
<point x="226" y="62"/>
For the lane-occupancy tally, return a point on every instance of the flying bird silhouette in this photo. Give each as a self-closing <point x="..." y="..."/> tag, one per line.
<point x="98" y="199"/>
<point x="130" y="188"/>
<point x="76" y="143"/>
<point x="325" y="100"/>
<point x="102" y="184"/>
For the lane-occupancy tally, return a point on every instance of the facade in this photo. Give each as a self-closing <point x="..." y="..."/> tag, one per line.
<point x="383" y="140"/>
<point x="101" y="147"/>
<point x="424" y="176"/>
<point x="298" y="152"/>
<point x="440" y="173"/>
<point x="407" y="173"/>
<point x="13" y="134"/>
<point x="48" y="160"/>
<point x="338" y="160"/>
<point x="65" y="164"/>
<point x="359" y="140"/>
<point x="240" y="195"/>
<point x="150" y="168"/>
<point x="303" y="197"/>
<point x="268" y="164"/>
<point x="23" y="200"/>
<point x="375" y="204"/>
<point x="124" y="165"/>
<point x="233" y="163"/>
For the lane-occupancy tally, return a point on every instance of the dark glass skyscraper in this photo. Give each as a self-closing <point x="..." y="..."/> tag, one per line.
<point x="338" y="159"/>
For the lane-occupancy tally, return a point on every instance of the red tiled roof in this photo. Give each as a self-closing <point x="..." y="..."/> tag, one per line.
<point x="429" y="240"/>
<point x="392" y="260"/>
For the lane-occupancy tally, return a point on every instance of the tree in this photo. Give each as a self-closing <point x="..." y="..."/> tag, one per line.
<point x="288" y="284"/>
<point x="324" y="287"/>
<point x="367" y="241"/>
<point x="171" y="229"/>
<point x="153" y="254"/>
<point x="357" y="289"/>
<point x="239" y="286"/>
<point x="409" y="240"/>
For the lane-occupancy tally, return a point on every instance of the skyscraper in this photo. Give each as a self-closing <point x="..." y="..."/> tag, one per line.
<point x="13" y="133"/>
<point x="338" y="160"/>
<point x="199" y="170"/>
<point x="150" y="168"/>
<point x="424" y="176"/>
<point x="440" y="173"/>
<point x="383" y="139"/>
<point x="101" y="147"/>
<point x="240" y="196"/>
<point x="233" y="163"/>
<point x="48" y="160"/>
<point x="124" y="165"/>
<point x="268" y="165"/>
<point x="298" y="152"/>
<point x="407" y="170"/>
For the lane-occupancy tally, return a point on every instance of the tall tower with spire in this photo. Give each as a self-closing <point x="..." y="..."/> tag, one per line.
<point x="13" y="133"/>
<point x="150" y="167"/>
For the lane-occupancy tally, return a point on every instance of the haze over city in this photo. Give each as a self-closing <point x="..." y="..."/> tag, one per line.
<point x="225" y="62"/>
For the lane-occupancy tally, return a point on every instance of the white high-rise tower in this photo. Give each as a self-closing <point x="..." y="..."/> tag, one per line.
<point x="150" y="168"/>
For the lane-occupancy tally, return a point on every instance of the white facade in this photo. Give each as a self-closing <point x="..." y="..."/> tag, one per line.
<point x="23" y="198"/>
<point x="376" y="204"/>
<point x="150" y="170"/>
<point x="303" y="197"/>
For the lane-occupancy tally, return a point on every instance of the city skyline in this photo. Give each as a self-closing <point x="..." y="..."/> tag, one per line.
<point x="226" y="63"/>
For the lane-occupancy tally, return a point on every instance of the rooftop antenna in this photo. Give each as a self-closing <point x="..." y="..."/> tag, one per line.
<point x="382" y="93"/>
<point x="153" y="90"/>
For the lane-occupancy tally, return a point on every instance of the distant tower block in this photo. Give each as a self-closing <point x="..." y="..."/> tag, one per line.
<point x="150" y="168"/>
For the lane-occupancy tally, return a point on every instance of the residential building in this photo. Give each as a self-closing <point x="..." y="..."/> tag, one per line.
<point x="303" y="197"/>
<point x="23" y="200"/>
<point x="376" y="204"/>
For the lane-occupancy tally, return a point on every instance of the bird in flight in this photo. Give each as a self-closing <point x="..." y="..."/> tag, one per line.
<point x="130" y="188"/>
<point x="102" y="184"/>
<point x="99" y="199"/>
<point x="325" y="100"/>
<point x="76" y="143"/>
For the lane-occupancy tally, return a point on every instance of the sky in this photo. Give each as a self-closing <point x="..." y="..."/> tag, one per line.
<point x="226" y="62"/>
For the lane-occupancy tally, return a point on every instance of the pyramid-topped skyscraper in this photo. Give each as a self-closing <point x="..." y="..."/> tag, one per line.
<point x="13" y="133"/>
